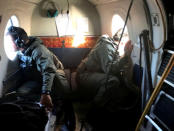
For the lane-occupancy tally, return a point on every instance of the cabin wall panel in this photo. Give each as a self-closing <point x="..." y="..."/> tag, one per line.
<point x="43" y="26"/>
<point x="157" y="40"/>
<point x="137" y="20"/>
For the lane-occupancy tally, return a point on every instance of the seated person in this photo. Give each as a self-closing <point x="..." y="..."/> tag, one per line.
<point x="43" y="73"/>
<point x="103" y="77"/>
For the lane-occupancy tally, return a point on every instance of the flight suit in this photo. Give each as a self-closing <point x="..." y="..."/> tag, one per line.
<point x="41" y="65"/>
<point x="100" y="75"/>
<point x="42" y="73"/>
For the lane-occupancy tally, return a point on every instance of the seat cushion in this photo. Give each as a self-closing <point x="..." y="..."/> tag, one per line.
<point x="73" y="81"/>
<point x="68" y="75"/>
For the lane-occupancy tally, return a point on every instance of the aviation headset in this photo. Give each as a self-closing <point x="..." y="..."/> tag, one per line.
<point x="19" y="36"/>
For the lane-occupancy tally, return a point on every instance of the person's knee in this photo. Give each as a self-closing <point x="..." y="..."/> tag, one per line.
<point x="29" y="87"/>
<point x="113" y="81"/>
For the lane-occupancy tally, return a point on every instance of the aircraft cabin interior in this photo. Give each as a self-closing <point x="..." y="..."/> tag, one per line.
<point x="72" y="31"/>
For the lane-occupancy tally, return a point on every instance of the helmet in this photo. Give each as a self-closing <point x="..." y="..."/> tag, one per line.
<point x="19" y="36"/>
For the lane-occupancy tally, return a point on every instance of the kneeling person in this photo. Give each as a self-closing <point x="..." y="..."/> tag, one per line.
<point x="103" y="74"/>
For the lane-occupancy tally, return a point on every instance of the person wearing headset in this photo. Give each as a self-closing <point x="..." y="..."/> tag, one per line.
<point x="43" y="73"/>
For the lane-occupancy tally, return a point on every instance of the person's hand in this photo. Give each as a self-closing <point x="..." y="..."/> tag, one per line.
<point x="128" y="48"/>
<point x="46" y="101"/>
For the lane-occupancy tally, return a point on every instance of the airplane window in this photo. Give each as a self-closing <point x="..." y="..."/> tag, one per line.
<point x="117" y="26"/>
<point x="8" y="45"/>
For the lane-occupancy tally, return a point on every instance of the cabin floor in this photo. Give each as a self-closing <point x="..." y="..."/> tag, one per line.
<point x="100" y="120"/>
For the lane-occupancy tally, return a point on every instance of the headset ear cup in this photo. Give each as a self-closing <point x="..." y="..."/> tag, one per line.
<point x="16" y="43"/>
<point x="19" y="43"/>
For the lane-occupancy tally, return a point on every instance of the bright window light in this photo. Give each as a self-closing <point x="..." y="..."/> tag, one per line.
<point x="117" y="26"/>
<point x="78" y="39"/>
<point x="82" y="27"/>
<point x="9" y="47"/>
<point x="64" y="25"/>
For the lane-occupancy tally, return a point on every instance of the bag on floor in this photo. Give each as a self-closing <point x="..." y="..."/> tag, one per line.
<point x="22" y="116"/>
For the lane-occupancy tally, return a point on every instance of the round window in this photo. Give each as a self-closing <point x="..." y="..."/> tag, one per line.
<point x="117" y="26"/>
<point x="8" y="44"/>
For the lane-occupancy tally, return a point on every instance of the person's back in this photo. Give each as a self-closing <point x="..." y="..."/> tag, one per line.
<point x="101" y="55"/>
<point x="102" y="77"/>
<point x="102" y="61"/>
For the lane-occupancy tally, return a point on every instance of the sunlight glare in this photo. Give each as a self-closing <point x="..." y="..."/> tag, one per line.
<point x="78" y="39"/>
<point x="8" y="43"/>
<point x="117" y="26"/>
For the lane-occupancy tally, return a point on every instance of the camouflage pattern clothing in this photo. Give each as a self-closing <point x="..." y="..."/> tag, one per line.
<point x="41" y="65"/>
<point x="93" y="71"/>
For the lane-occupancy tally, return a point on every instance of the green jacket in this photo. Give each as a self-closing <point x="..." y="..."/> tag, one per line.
<point x="103" y="55"/>
<point x="46" y="63"/>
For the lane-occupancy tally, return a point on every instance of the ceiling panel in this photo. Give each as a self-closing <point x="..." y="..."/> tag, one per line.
<point x="97" y="2"/>
<point x="34" y="1"/>
<point x="31" y="1"/>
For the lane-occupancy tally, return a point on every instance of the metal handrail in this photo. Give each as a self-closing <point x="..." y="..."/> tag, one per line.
<point x="156" y="91"/>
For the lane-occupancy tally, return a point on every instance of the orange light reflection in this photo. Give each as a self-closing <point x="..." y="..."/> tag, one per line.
<point x="79" y="39"/>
